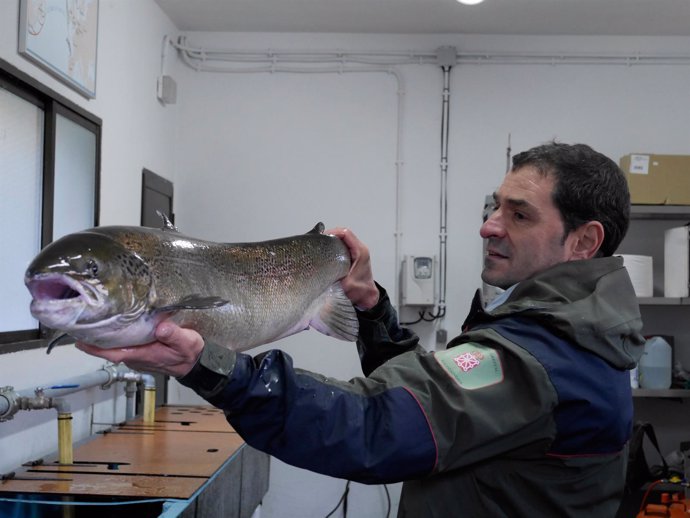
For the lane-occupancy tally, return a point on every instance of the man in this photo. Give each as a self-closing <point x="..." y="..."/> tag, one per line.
<point x="525" y="414"/>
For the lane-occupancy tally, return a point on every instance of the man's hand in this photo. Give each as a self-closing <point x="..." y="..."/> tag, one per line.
<point x="359" y="283"/>
<point x="174" y="353"/>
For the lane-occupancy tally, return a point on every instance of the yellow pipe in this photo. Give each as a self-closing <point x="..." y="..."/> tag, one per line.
<point x="68" y="510"/>
<point x="149" y="405"/>
<point x="65" y="452"/>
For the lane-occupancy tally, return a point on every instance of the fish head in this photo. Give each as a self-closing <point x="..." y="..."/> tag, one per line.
<point x="86" y="281"/>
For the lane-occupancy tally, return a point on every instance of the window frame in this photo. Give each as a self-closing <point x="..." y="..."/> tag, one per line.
<point x="53" y="104"/>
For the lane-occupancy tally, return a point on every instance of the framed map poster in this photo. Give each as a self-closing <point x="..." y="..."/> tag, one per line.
<point x="61" y="36"/>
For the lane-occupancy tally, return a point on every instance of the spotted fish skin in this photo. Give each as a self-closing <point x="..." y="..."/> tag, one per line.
<point x="111" y="286"/>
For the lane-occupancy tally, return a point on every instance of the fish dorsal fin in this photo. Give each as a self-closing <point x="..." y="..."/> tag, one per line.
<point x="318" y="229"/>
<point x="167" y="224"/>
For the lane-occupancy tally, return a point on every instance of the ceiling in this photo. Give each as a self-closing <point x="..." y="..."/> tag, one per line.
<point x="547" y="17"/>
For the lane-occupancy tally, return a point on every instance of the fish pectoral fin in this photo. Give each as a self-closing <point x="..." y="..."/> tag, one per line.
<point x="192" y="302"/>
<point x="56" y="341"/>
<point x="336" y="316"/>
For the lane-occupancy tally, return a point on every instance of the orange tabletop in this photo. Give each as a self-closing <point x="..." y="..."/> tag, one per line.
<point x="172" y="458"/>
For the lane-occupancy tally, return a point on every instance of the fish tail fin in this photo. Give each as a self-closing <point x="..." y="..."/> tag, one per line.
<point x="337" y="316"/>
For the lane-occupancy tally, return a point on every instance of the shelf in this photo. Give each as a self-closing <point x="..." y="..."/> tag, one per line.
<point x="663" y="301"/>
<point x="660" y="212"/>
<point x="667" y="393"/>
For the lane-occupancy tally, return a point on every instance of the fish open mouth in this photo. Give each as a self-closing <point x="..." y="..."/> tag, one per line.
<point x="58" y="301"/>
<point x="53" y="287"/>
<point x="52" y="290"/>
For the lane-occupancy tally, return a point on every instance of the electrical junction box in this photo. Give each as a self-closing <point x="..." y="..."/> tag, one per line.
<point x="166" y="90"/>
<point x="418" y="280"/>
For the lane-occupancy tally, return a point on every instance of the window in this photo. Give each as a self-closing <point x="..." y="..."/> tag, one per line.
<point x="49" y="178"/>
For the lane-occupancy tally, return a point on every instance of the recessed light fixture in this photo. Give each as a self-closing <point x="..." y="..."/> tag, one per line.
<point x="470" y="2"/>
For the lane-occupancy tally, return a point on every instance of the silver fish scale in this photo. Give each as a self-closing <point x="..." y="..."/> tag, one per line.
<point x="270" y="286"/>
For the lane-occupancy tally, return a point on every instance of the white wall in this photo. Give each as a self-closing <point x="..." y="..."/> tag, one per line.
<point x="137" y="132"/>
<point x="277" y="152"/>
<point x="267" y="155"/>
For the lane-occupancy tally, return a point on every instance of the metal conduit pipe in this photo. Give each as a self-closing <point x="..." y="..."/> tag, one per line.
<point x="40" y="397"/>
<point x="130" y="392"/>
<point x="149" y="398"/>
<point x="10" y="403"/>
<point x="149" y="383"/>
<point x="443" y="210"/>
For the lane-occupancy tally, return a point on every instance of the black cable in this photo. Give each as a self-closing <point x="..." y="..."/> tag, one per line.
<point x="343" y="499"/>
<point x="421" y="317"/>
<point x="388" y="497"/>
<point x="428" y="317"/>
<point x="439" y="314"/>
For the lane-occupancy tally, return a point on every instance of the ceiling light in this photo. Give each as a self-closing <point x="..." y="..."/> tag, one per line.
<point x="470" y="2"/>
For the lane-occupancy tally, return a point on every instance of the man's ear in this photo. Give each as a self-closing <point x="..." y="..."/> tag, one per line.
<point x="586" y="240"/>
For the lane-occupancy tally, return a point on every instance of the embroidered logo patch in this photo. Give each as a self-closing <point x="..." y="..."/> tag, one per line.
<point x="472" y="366"/>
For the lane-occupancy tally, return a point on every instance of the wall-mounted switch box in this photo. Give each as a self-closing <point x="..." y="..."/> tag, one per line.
<point x="418" y="279"/>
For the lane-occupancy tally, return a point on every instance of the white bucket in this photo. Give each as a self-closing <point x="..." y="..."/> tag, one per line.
<point x="640" y="269"/>
<point x="656" y="363"/>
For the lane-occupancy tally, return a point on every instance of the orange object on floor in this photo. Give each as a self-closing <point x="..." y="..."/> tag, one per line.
<point x="671" y="506"/>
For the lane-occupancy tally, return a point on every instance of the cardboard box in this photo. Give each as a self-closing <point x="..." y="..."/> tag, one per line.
<point x="657" y="179"/>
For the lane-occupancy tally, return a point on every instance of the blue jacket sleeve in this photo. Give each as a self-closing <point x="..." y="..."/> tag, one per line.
<point x="363" y="430"/>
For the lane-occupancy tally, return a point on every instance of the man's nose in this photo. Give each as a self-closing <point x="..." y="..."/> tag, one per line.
<point x="493" y="226"/>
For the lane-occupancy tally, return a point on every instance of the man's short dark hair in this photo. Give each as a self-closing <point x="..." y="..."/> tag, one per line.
<point x="589" y="187"/>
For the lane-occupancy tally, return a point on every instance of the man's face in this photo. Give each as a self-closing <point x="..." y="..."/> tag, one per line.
<point x="525" y="232"/>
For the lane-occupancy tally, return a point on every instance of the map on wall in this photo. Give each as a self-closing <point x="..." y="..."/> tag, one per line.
<point x="61" y="36"/>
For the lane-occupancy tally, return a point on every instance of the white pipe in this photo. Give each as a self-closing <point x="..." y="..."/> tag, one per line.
<point x="164" y="51"/>
<point x="399" y="163"/>
<point x="443" y="208"/>
<point x="387" y="57"/>
<point x="6" y="401"/>
<point x="69" y="385"/>
<point x="132" y="378"/>
<point x="570" y="58"/>
<point x="130" y="392"/>
<point x="42" y="397"/>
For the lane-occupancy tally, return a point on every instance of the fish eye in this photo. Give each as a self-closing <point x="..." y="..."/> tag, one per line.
<point x="92" y="267"/>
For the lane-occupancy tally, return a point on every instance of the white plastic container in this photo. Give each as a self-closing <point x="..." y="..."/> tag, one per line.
<point x="634" y="378"/>
<point x="655" y="365"/>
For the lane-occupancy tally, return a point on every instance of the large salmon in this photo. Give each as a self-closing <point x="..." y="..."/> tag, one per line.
<point x="111" y="286"/>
